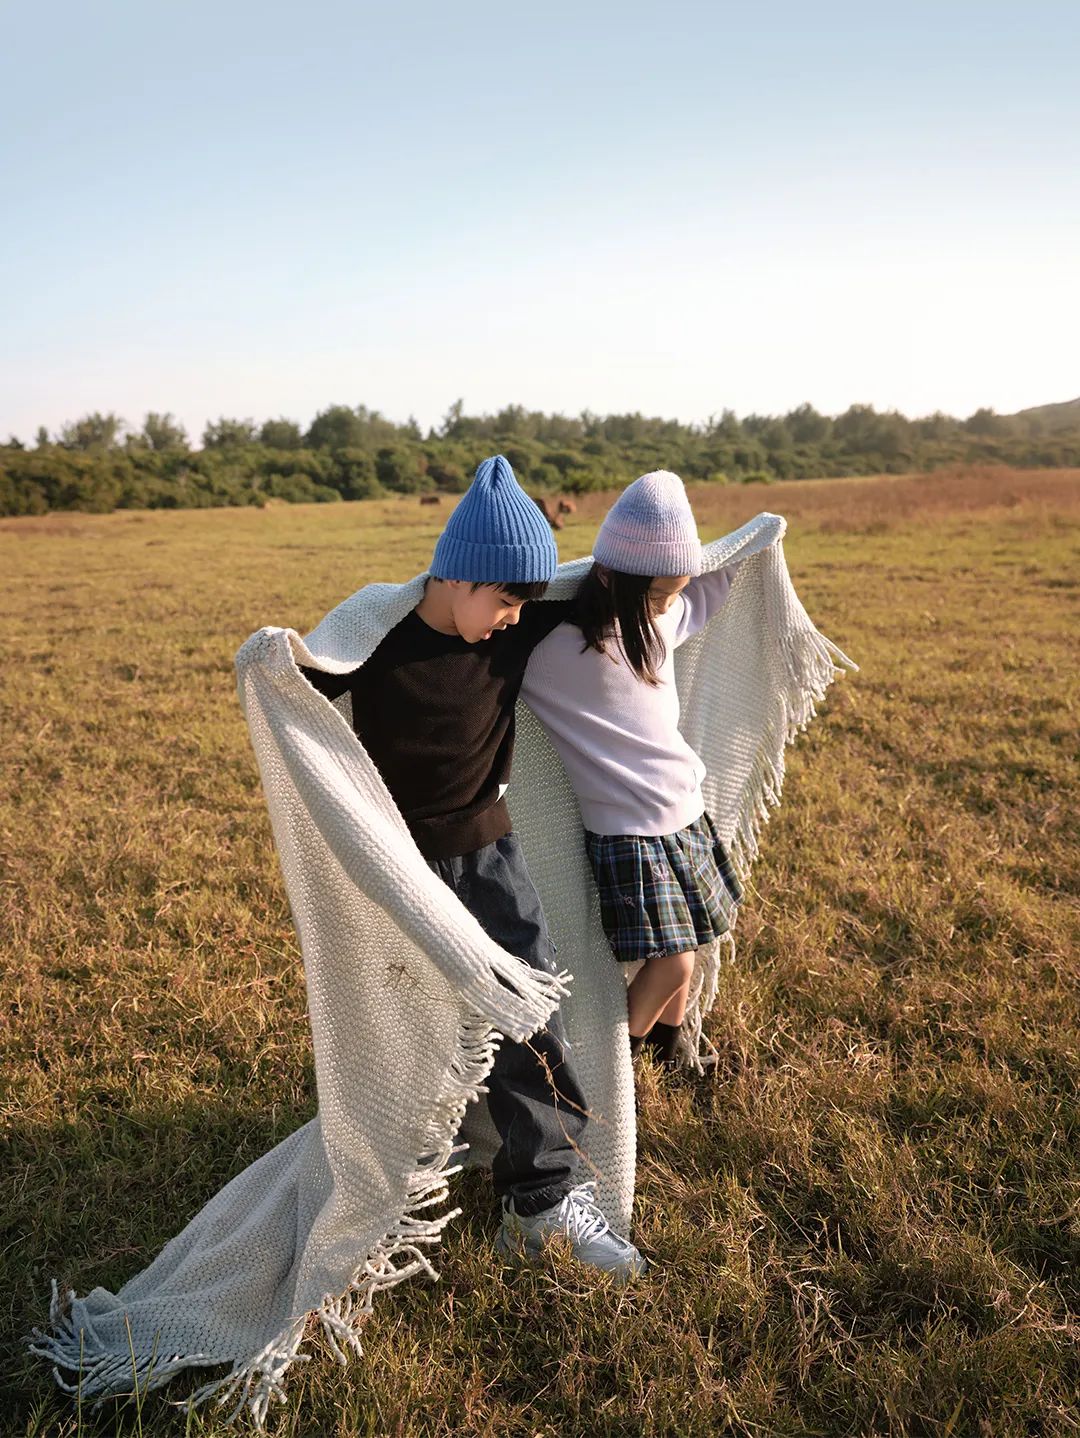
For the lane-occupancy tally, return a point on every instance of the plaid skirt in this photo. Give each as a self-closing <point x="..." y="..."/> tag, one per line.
<point x="663" y="895"/>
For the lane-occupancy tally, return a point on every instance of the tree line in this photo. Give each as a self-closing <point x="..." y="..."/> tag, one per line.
<point x="99" y="463"/>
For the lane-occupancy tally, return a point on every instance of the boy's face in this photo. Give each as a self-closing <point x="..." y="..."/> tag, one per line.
<point x="479" y="613"/>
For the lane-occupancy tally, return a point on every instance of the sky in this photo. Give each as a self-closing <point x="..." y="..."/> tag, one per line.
<point x="240" y="209"/>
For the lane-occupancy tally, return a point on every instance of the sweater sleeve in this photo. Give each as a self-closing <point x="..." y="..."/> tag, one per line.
<point x="537" y="621"/>
<point x="535" y="679"/>
<point x="702" y="598"/>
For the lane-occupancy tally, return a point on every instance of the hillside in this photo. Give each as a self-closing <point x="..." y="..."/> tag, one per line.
<point x="1065" y="415"/>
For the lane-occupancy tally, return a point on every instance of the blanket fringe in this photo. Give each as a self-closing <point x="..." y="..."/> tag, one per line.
<point x="696" y="1050"/>
<point x="256" y="1381"/>
<point x="521" y="1001"/>
<point x="101" y="1372"/>
<point x="812" y="665"/>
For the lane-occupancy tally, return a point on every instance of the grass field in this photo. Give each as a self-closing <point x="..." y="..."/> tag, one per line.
<point x="866" y="1221"/>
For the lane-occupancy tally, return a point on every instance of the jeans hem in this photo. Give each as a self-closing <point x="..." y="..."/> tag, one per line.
<point x="535" y="1200"/>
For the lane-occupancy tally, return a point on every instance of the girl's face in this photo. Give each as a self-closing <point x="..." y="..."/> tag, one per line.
<point x="664" y="592"/>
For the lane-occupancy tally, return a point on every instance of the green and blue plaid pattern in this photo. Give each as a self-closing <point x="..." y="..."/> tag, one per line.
<point x="663" y="895"/>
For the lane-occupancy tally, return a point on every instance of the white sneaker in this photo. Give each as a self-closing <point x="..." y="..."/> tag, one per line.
<point x="577" y="1218"/>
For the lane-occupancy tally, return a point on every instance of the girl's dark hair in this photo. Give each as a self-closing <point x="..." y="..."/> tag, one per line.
<point x="535" y="589"/>
<point x="609" y="598"/>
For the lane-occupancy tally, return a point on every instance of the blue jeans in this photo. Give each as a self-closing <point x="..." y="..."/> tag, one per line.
<point x="534" y="1099"/>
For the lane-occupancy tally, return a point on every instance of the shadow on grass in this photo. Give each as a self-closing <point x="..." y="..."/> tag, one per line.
<point x="97" y="1197"/>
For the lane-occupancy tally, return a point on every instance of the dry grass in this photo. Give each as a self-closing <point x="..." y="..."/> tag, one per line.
<point x="868" y="1221"/>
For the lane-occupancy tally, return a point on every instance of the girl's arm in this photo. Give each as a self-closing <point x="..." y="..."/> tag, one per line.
<point x="701" y="599"/>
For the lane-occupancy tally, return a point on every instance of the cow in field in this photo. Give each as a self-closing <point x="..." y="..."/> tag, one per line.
<point x="548" y="509"/>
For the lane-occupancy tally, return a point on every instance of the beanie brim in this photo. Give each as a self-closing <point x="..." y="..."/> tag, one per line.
<point x="494" y="563"/>
<point x="658" y="559"/>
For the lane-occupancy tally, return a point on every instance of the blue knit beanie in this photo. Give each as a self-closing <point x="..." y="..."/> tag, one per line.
<point x="496" y="535"/>
<point x="650" y="529"/>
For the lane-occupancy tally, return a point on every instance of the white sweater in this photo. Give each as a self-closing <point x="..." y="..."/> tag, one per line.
<point x="618" y="737"/>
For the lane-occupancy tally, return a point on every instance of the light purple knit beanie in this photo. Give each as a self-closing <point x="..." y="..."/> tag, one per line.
<point x="650" y="529"/>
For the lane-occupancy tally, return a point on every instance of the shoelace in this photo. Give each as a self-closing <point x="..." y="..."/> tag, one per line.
<point x="584" y="1219"/>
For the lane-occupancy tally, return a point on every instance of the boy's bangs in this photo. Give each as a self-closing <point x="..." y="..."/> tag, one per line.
<point x="535" y="589"/>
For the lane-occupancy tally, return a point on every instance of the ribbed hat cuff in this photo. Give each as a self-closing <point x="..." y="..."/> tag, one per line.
<point x="494" y="563"/>
<point x="657" y="558"/>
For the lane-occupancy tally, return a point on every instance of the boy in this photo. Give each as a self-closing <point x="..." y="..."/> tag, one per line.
<point x="434" y="708"/>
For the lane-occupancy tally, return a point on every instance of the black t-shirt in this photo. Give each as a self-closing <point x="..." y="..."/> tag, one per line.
<point x="436" y="714"/>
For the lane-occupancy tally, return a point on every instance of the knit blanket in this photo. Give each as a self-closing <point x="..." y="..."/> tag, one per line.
<point x="408" y="996"/>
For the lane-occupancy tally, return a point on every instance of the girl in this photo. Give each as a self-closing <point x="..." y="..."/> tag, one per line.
<point x="603" y="685"/>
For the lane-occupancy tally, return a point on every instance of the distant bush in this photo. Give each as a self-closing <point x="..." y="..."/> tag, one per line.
<point x="353" y="474"/>
<point x="447" y="476"/>
<point x="546" y="476"/>
<point x="403" y="469"/>
<point x="99" y="463"/>
<point x="300" y="489"/>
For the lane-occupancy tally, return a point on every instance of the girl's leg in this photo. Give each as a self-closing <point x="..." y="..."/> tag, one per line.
<point x="656" y="988"/>
<point x="675" y="1009"/>
<point x="663" y="1038"/>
